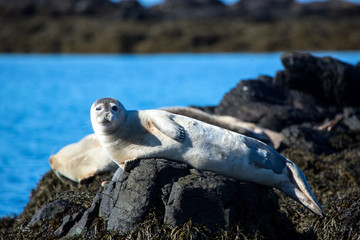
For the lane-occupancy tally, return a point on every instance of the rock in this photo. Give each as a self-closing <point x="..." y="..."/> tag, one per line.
<point x="130" y="9"/>
<point x="67" y="222"/>
<point x="260" y="10"/>
<point x="128" y="198"/>
<point x="204" y="198"/>
<point x="134" y="193"/>
<point x="185" y="9"/>
<point x="334" y="9"/>
<point x="351" y="118"/>
<point x="307" y="139"/>
<point x="215" y="201"/>
<point x="310" y="89"/>
<point x="261" y="102"/>
<point x="86" y="220"/>
<point x="126" y="9"/>
<point x="328" y="79"/>
<point x="49" y="211"/>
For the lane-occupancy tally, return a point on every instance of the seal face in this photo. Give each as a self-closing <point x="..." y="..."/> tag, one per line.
<point x="127" y="135"/>
<point x="108" y="113"/>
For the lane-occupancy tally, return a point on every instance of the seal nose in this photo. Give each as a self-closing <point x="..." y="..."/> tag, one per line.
<point x="108" y="116"/>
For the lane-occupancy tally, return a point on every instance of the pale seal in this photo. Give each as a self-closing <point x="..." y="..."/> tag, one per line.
<point x="81" y="160"/>
<point x="86" y="158"/>
<point x="127" y="135"/>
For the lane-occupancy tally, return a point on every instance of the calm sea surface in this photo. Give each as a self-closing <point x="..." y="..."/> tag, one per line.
<point x="45" y="100"/>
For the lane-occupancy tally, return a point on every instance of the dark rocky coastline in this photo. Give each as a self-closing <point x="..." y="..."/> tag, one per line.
<point x="102" y="26"/>
<point x="313" y="102"/>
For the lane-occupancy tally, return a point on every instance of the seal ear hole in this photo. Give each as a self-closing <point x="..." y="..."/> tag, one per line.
<point x="114" y="108"/>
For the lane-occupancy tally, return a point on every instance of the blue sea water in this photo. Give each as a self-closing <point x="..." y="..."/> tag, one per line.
<point x="45" y="99"/>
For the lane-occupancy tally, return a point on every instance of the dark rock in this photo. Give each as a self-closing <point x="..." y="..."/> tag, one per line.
<point x="127" y="200"/>
<point x="126" y="9"/>
<point x="183" y="9"/>
<point x="260" y="10"/>
<point x="327" y="8"/>
<point x="49" y="211"/>
<point x="205" y="198"/>
<point x="130" y="195"/>
<point x="310" y="89"/>
<point x="67" y="222"/>
<point x="215" y="201"/>
<point x="328" y="79"/>
<point x="130" y="9"/>
<point x="307" y="139"/>
<point x="271" y="106"/>
<point x="351" y="118"/>
<point x="86" y="220"/>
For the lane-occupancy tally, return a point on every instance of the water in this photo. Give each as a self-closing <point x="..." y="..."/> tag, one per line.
<point x="45" y="100"/>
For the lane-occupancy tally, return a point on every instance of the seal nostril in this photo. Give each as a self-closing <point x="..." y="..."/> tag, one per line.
<point x="108" y="116"/>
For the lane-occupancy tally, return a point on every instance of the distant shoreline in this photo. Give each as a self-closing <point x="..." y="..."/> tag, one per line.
<point x="84" y="34"/>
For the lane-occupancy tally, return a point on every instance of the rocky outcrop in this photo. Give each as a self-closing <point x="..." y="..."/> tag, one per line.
<point x="310" y="89"/>
<point x="257" y="10"/>
<point x="179" y="195"/>
<point x="333" y="82"/>
<point x="260" y="10"/>
<point x="189" y="9"/>
<point x="326" y="8"/>
<point x="53" y="7"/>
<point x="127" y="9"/>
<point x="182" y="194"/>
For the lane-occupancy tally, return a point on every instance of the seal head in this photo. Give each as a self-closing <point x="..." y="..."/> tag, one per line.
<point x="108" y="114"/>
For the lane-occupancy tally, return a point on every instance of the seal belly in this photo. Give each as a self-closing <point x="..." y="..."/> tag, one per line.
<point x="212" y="148"/>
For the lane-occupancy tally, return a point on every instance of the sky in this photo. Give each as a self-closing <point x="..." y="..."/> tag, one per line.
<point x="152" y="2"/>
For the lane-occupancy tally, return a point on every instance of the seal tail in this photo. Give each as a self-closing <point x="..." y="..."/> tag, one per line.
<point x="300" y="190"/>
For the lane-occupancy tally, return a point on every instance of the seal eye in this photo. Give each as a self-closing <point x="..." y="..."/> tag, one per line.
<point x="98" y="108"/>
<point x="114" y="108"/>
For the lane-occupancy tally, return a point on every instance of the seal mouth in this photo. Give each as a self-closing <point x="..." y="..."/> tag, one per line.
<point x="105" y="123"/>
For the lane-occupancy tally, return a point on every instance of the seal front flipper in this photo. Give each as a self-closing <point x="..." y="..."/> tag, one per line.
<point x="166" y="124"/>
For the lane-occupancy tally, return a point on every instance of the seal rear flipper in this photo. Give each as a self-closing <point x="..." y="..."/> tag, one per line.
<point x="298" y="189"/>
<point x="166" y="124"/>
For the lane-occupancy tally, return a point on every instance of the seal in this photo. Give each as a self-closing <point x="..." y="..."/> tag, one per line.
<point x="82" y="160"/>
<point x="88" y="151"/>
<point x="128" y="135"/>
